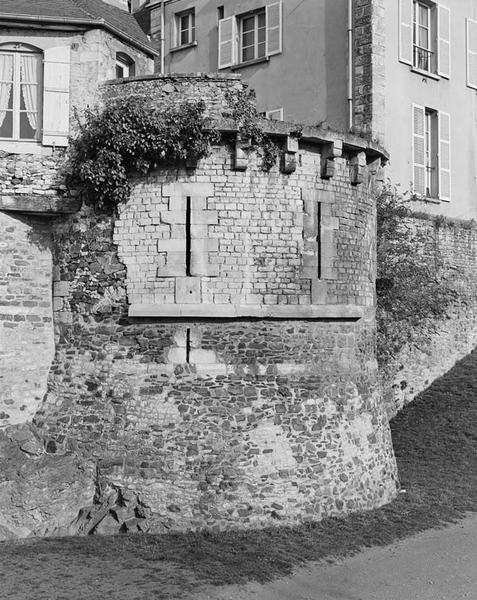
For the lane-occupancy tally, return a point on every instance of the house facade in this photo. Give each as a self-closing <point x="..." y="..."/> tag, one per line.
<point x="53" y="56"/>
<point x="293" y="54"/>
<point x="401" y="71"/>
<point x="431" y="103"/>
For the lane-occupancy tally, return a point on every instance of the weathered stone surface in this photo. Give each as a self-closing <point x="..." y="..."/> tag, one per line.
<point x="416" y="366"/>
<point x="39" y="204"/>
<point x="26" y="317"/>
<point x="175" y="424"/>
<point x="42" y="496"/>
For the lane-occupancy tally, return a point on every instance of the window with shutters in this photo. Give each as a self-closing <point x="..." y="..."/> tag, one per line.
<point x="34" y="97"/>
<point x="425" y="36"/>
<point x="20" y="92"/>
<point x="185" y="28"/>
<point x="251" y="36"/>
<point x="431" y="153"/>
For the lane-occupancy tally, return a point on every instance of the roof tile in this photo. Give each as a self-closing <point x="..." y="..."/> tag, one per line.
<point x="86" y="10"/>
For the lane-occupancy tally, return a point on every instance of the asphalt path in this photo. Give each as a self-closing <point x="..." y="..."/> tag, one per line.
<point x="435" y="565"/>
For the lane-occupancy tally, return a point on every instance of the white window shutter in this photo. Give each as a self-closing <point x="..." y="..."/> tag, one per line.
<point x="444" y="156"/>
<point x="56" y="96"/>
<point x="406" y="31"/>
<point x="443" y="42"/>
<point x="274" y="28"/>
<point x="173" y="35"/>
<point x="419" y="149"/>
<point x="227" y="42"/>
<point x="472" y="53"/>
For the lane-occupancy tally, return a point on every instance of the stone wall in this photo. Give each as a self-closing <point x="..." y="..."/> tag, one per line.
<point x="172" y="415"/>
<point x="211" y="88"/>
<point x="93" y="61"/>
<point x="369" y="67"/>
<point x="31" y="175"/>
<point x="219" y="423"/>
<point x="26" y="318"/>
<point x="454" y="244"/>
<point x="256" y="239"/>
<point x="35" y="181"/>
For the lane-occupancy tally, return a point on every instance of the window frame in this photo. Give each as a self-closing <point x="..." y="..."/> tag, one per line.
<point x="431" y="153"/>
<point x="125" y="62"/>
<point x="431" y="28"/>
<point x="17" y="50"/>
<point x="256" y="14"/>
<point x="178" y="30"/>
<point x="279" y="111"/>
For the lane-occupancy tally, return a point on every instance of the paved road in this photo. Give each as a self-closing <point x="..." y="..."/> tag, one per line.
<point x="436" y="565"/>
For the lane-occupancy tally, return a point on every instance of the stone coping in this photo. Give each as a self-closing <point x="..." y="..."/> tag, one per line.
<point x="231" y="311"/>
<point x="352" y="142"/>
<point x="36" y="204"/>
<point x="176" y="77"/>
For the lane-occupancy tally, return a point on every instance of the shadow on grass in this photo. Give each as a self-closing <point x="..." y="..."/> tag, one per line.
<point x="435" y="441"/>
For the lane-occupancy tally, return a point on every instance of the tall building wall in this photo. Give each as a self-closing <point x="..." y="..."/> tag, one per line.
<point x="446" y="94"/>
<point x="308" y="78"/>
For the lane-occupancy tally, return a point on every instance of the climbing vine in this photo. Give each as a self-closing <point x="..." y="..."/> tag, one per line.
<point x="242" y="110"/>
<point x="129" y="134"/>
<point x="416" y="288"/>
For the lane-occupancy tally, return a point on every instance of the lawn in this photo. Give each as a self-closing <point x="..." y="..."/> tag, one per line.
<point x="435" y="442"/>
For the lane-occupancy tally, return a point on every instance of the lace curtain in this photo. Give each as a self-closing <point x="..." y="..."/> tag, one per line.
<point x="29" y="85"/>
<point x="6" y="83"/>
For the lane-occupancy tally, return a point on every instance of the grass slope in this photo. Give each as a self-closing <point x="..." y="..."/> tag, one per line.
<point x="435" y="440"/>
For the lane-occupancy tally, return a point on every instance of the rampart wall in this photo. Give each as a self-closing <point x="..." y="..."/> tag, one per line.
<point x="214" y="348"/>
<point x="448" y="244"/>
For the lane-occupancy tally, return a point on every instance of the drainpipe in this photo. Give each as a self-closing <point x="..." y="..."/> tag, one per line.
<point x="350" y="65"/>
<point x="163" y="36"/>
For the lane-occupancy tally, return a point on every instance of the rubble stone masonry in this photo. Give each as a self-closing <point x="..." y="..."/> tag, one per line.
<point x="215" y="352"/>
<point x="453" y="244"/>
<point x="369" y="67"/>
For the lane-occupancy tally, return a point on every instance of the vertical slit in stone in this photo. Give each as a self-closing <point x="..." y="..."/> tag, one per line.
<point x="318" y="239"/>
<point x="188" y="237"/>
<point x="187" y="345"/>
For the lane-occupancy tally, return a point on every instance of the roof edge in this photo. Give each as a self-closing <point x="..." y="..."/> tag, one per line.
<point x="87" y="22"/>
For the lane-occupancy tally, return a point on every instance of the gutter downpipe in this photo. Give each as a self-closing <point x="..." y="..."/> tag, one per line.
<point x="163" y="37"/>
<point x="350" y="65"/>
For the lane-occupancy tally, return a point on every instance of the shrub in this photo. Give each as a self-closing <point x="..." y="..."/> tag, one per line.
<point x="129" y="134"/>
<point x="415" y="287"/>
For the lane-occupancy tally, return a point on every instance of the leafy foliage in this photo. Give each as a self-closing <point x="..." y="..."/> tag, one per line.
<point x="129" y="134"/>
<point x="243" y="111"/>
<point x="415" y="287"/>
